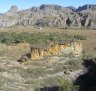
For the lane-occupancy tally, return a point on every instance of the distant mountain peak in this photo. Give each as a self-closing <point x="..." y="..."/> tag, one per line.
<point x="72" y="8"/>
<point x="13" y="9"/>
<point x="87" y="7"/>
<point x="50" y="6"/>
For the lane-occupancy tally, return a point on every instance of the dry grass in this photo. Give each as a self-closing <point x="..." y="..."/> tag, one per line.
<point x="89" y="44"/>
<point x="13" y="51"/>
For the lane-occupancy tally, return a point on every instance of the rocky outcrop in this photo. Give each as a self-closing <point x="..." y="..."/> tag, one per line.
<point x="13" y="10"/>
<point x="60" y="48"/>
<point x="51" y="16"/>
<point x="88" y="16"/>
<point x="6" y="22"/>
<point x="87" y="7"/>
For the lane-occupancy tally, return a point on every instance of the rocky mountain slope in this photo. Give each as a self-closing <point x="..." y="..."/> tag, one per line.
<point x="50" y="16"/>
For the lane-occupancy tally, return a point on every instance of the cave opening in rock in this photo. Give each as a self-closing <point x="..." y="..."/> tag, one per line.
<point x="68" y="22"/>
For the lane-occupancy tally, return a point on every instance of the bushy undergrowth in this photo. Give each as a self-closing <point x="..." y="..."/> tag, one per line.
<point x="35" y="38"/>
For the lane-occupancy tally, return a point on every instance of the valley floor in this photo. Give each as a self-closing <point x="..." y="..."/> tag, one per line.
<point x="37" y="74"/>
<point x="51" y="71"/>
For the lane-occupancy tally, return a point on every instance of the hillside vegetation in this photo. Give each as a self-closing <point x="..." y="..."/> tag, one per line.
<point x="52" y="72"/>
<point x="36" y="38"/>
<point x="14" y="35"/>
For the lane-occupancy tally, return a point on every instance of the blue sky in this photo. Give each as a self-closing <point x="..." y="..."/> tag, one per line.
<point x="25" y="4"/>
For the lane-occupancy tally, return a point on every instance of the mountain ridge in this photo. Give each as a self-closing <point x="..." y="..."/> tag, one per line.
<point x="50" y="15"/>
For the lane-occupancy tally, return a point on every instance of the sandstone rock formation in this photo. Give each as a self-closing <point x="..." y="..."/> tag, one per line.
<point x="51" y="16"/>
<point x="60" y="48"/>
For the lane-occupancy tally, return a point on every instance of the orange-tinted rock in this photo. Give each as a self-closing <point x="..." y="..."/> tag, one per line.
<point x="56" y="49"/>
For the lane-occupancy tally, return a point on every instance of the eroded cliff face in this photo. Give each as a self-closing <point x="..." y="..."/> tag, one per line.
<point x="37" y="53"/>
<point x="50" y="16"/>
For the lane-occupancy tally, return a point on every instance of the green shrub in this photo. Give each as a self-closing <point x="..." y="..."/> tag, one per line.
<point x="36" y="38"/>
<point x="68" y="85"/>
<point x="79" y="37"/>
